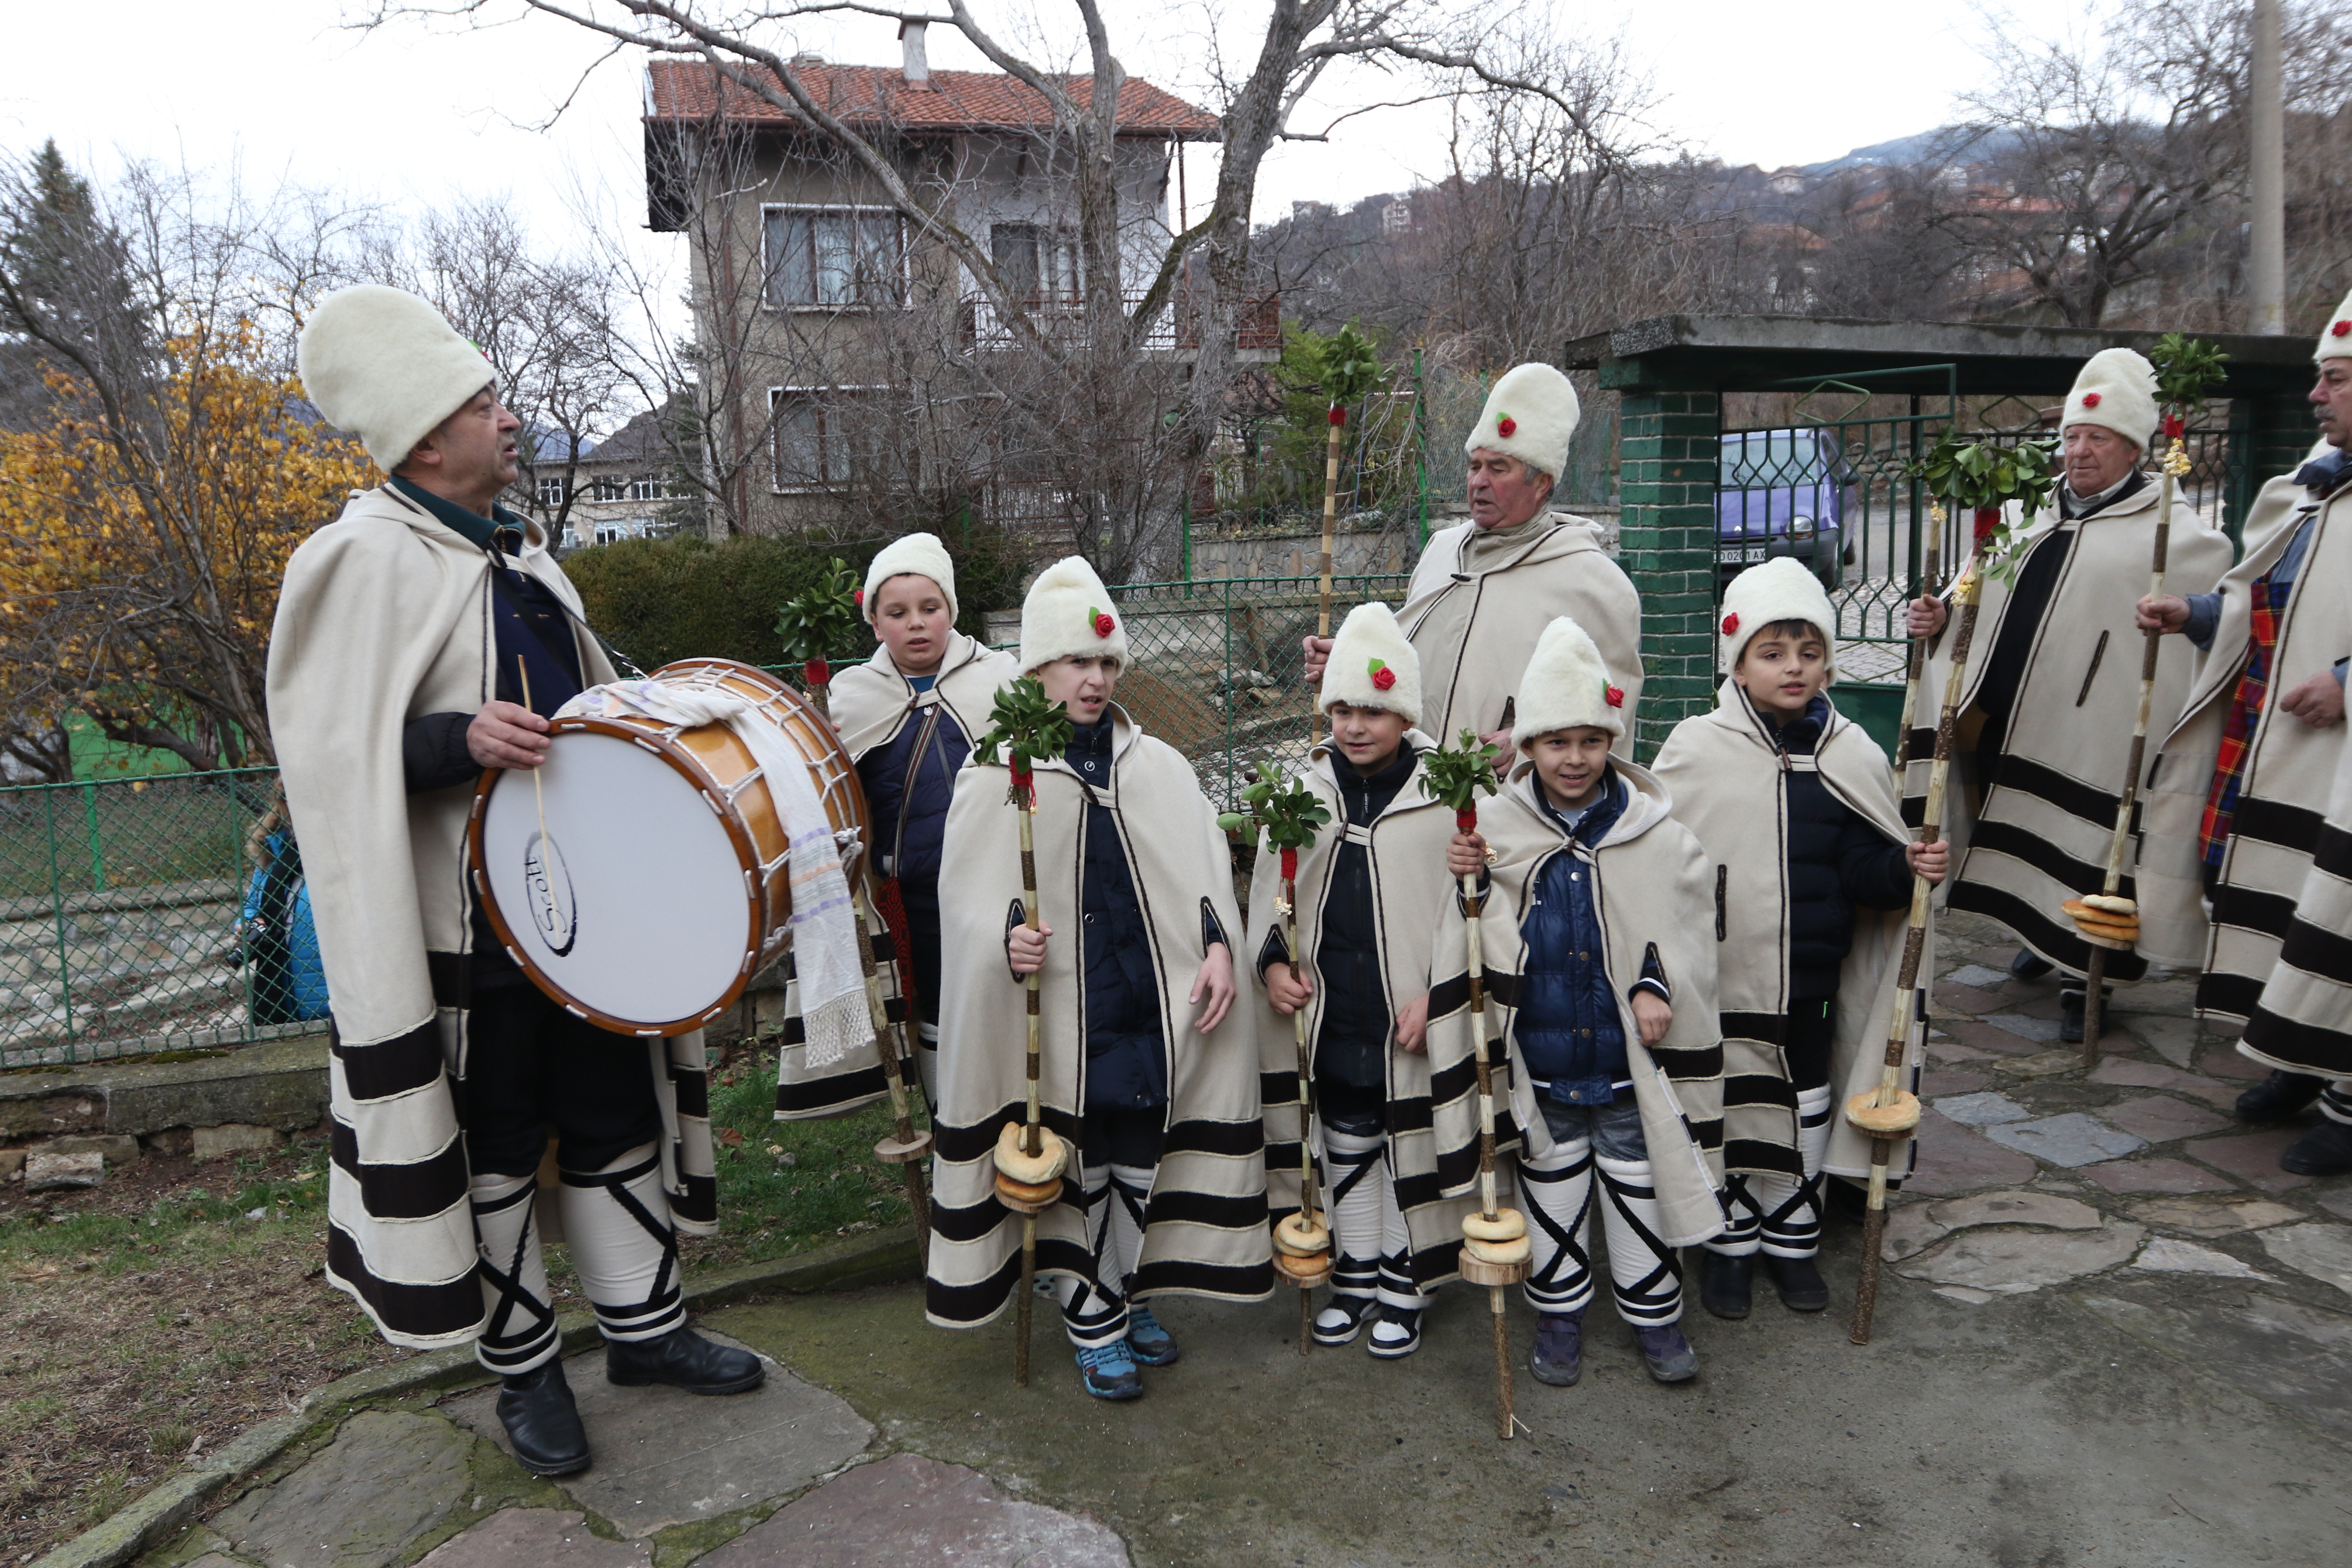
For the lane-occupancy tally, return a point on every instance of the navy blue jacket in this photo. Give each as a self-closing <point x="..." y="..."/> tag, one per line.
<point x="1836" y="860"/>
<point x="908" y="797"/>
<point x="1570" y="1031"/>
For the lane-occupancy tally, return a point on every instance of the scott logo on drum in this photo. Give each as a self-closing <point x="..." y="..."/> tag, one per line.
<point x="549" y="884"/>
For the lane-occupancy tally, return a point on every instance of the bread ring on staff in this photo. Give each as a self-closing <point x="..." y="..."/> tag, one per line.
<point x="2112" y="903"/>
<point x="1884" y="1120"/>
<point x="1301" y="1238"/>
<point x="1518" y="1249"/>
<point x="1027" y="1192"/>
<point x="1052" y="1156"/>
<point x="2116" y="930"/>
<point x="1509" y="1225"/>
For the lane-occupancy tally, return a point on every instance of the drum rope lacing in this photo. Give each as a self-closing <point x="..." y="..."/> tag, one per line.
<point x="831" y="981"/>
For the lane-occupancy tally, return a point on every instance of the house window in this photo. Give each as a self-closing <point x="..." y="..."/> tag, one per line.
<point x="819" y="437"/>
<point x="832" y="256"/>
<point x="1035" y="262"/>
<point x="644" y="489"/>
<point x="551" y="490"/>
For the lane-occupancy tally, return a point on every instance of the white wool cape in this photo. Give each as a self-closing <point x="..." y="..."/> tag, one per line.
<point x="1474" y="631"/>
<point x="2290" y="765"/>
<point x="1370" y="633"/>
<point x="872" y="704"/>
<point x="1405" y="848"/>
<point x="2303" y="1022"/>
<point x="386" y="615"/>
<point x="911" y="555"/>
<point x="384" y="363"/>
<point x="1205" y="1231"/>
<point x="1729" y="788"/>
<point x="1652" y="885"/>
<point x="2040" y="836"/>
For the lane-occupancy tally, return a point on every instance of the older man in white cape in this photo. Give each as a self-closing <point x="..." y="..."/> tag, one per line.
<point x="397" y="673"/>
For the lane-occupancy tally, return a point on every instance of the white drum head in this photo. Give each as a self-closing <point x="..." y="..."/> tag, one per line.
<point x="635" y="904"/>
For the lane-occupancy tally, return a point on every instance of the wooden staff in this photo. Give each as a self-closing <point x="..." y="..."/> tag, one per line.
<point x="2176" y="463"/>
<point x="1025" y="786"/>
<point x="1496" y="1277"/>
<point x="1931" y="582"/>
<point x="1338" y="422"/>
<point x="1307" y="1197"/>
<point x="1890" y="1112"/>
<point x="907" y="1147"/>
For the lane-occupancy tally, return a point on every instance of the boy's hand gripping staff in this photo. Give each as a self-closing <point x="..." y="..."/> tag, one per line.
<point x="2186" y="369"/>
<point x="1984" y="479"/>
<point x="1029" y="1159"/>
<point x="810" y="625"/>
<point x="1495" y="1246"/>
<point x="1285" y="814"/>
<point x="1350" y="374"/>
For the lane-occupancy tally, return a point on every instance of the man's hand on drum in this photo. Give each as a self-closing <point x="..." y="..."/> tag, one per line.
<point x="1025" y="948"/>
<point x="1318" y="654"/>
<point x="507" y="735"/>
<point x="1925" y="617"/>
<point x="1215" y="982"/>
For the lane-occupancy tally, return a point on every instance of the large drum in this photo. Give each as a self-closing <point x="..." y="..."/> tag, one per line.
<point x="641" y="880"/>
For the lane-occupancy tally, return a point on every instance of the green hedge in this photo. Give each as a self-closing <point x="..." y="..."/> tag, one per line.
<point x="662" y="599"/>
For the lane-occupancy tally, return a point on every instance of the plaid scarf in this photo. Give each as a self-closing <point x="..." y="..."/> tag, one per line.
<point x="2237" y="736"/>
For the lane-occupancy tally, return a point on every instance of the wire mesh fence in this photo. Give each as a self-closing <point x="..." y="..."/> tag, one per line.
<point x="143" y="915"/>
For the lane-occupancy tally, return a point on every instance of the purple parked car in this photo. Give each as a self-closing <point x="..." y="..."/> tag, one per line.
<point x="1779" y="492"/>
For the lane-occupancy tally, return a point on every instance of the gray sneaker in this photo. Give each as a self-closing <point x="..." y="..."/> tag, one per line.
<point x="1670" y="1355"/>
<point x="1558" y="1357"/>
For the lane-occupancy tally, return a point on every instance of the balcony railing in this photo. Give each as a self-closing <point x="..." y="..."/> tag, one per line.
<point x="1257" y="327"/>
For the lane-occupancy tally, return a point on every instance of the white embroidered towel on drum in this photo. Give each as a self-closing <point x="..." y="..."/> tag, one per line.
<point x="824" y="925"/>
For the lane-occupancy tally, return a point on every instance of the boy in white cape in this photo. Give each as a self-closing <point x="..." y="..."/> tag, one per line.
<point x="1811" y="868"/>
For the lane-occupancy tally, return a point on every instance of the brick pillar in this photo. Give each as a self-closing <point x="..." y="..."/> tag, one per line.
<point x="1668" y="444"/>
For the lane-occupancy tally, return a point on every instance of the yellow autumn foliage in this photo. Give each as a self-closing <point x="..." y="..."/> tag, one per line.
<point x="142" y="536"/>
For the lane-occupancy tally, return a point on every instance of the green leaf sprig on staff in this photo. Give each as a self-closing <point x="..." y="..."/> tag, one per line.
<point x="1284" y="809"/>
<point x="1025" y="728"/>
<point x="822" y="622"/>
<point x="2187" y="371"/>
<point x="1455" y="774"/>
<point x="1982" y="476"/>
<point x="1348" y="371"/>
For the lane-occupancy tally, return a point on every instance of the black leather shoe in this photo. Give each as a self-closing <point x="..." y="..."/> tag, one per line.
<point x="2069" y="1014"/>
<point x="2279" y="1096"/>
<point x="1726" y="1284"/>
<point x="2324" y="1151"/>
<point x="682" y="1358"/>
<point x="1800" y="1282"/>
<point x="2029" y="964"/>
<point x="542" y="1423"/>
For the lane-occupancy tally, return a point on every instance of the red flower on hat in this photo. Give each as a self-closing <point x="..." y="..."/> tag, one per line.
<point x="2090" y="400"/>
<point x="1104" y="625"/>
<point x="1383" y="676"/>
<point x="1616" y="696"/>
<point x="1506" y="427"/>
<point x="1731" y="624"/>
<point x="858" y="594"/>
<point x="2339" y="329"/>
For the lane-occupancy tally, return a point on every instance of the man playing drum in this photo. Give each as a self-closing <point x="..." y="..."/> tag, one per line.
<point x="1485" y="590"/>
<point x="421" y="637"/>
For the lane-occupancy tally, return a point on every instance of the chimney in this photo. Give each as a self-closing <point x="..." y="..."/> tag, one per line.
<point x="917" y="64"/>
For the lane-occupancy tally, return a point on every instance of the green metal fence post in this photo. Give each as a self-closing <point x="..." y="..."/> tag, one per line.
<point x="58" y="911"/>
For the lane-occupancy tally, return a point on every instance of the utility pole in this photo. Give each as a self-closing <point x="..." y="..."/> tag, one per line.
<point x="2266" y="249"/>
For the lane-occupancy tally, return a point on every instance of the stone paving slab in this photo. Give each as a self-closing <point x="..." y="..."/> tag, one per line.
<point x="2174" y="1039"/>
<point x="2253" y="1158"/>
<point x="535" y="1537"/>
<point x="2072" y="1140"/>
<point x="1942" y="1048"/>
<point x="2042" y="1031"/>
<point x="1953" y="1159"/>
<point x="2170" y="1254"/>
<point x="2160" y="1118"/>
<point x="2148" y="1075"/>
<point x="2047" y="1064"/>
<point x="2047" y="1211"/>
<point x="907" y="1510"/>
<point x="2227" y="1061"/>
<point x="1969" y="999"/>
<point x="2157" y="1176"/>
<point x="1938" y="1081"/>
<point x="665" y="1457"/>
<point x="384" y="1482"/>
<point x="2322" y="1251"/>
<point x="1987" y="1110"/>
<point x="1977" y="976"/>
<point x="2014" y="1262"/>
<point x="2279" y="1350"/>
<point x="1988" y="1038"/>
<point x="2204" y="1217"/>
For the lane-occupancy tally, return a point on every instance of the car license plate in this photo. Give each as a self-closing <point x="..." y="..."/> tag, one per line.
<point x="1753" y="553"/>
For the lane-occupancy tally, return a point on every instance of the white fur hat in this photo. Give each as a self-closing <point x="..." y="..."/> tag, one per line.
<point x="1780" y="589"/>
<point x="1529" y="415"/>
<point x="1368" y="647"/>
<point x="1068" y="613"/>
<point x="2336" y="337"/>
<point x="910" y="555"/>
<point x="2116" y="389"/>
<point x="381" y="363"/>
<point x="1566" y="685"/>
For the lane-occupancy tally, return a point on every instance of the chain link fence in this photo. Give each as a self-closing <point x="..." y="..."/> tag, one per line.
<point x="152" y="914"/>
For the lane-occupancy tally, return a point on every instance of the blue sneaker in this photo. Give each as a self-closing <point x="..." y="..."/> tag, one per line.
<point x="1146" y="1340"/>
<point x="1107" y="1372"/>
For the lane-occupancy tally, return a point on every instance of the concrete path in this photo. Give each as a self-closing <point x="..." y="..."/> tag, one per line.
<point x="2112" y="1335"/>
